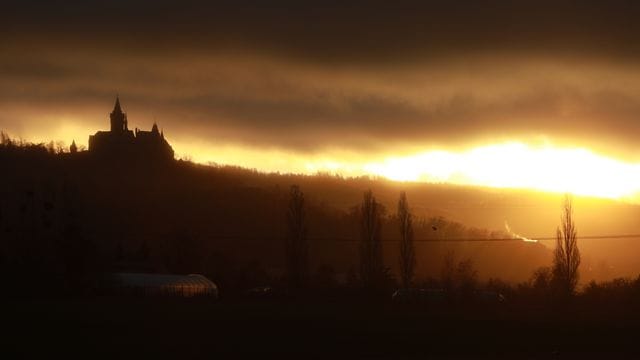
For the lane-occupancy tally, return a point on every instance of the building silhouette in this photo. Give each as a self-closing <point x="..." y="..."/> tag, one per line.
<point x="122" y="143"/>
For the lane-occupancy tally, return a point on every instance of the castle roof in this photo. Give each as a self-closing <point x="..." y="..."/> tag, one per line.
<point x="121" y="142"/>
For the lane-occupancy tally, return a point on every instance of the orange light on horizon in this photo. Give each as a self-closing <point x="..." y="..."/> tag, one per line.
<point x="513" y="165"/>
<point x="517" y="165"/>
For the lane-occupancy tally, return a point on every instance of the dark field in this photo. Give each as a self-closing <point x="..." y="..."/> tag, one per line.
<point x="171" y="328"/>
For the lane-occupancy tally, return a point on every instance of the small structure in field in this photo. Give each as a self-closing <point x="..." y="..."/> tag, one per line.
<point x="192" y="285"/>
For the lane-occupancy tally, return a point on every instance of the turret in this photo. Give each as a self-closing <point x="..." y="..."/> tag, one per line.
<point x="118" y="118"/>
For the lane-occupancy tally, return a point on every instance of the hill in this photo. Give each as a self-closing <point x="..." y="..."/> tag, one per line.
<point x="68" y="211"/>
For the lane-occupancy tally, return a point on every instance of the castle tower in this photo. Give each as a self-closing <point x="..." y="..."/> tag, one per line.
<point x="121" y="143"/>
<point x="118" y="119"/>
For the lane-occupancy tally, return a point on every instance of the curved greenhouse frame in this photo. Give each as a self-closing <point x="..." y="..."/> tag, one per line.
<point x="192" y="285"/>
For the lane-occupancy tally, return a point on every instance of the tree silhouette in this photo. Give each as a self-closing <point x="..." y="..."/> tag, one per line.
<point x="448" y="271"/>
<point x="466" y="278"/>
<point x="407" y="257"/>
<point x="183" y="252"/>
<point x="371" y="267"/>
<point x="566" y="255"/>
<point x="296" y="246"/>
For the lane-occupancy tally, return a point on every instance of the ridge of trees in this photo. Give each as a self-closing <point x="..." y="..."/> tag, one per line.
<point x="57" y="220"/>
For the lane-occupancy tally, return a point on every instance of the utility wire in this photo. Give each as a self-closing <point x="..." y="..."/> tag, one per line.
<point x="532" y="239"/>
<point x="505" y="239"/>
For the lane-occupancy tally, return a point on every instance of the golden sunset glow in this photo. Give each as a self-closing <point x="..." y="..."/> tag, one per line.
<point x="506" y="165"/>
<point x="516" y="165"/>
<point x="267" y="175"/>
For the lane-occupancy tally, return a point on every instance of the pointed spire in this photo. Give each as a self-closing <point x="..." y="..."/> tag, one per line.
<point x="154" y="129"/>
<point x="73" y="148"/>
<point x="118" y="118"/>
<point x="117" y="108"/>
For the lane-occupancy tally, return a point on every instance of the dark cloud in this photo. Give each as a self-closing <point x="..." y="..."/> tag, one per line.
<point x="336" y="31"/>
<point x="309" y="75"/>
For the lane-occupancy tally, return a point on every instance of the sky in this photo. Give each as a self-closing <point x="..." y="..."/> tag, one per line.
<point x="534" y="94"/>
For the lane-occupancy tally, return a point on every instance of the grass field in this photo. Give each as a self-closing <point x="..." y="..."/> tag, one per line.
<point x="325" y="329"/>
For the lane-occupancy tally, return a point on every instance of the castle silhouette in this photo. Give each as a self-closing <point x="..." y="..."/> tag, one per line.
<point x="122" y="143"/>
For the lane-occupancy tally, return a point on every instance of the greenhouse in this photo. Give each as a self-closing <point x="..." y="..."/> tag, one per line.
<point x="192" y="285"/>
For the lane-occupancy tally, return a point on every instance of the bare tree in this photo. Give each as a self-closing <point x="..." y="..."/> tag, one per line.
<point x="5" y="139"/>
<point x="60" y="147"/>
<point x="407" y="251"/>
<point x="466" y="277"/>
<point x="448" y="271"/>
<point x="296" y="240"/>
<point x="371" y="267"/>
<point x="566" y="256"/>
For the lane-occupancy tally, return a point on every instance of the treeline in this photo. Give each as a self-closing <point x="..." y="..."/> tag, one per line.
<point x="458" y="280"/>
<point x="66" y="219"/>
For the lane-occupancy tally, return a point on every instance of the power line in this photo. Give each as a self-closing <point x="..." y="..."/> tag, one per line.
<point x="530" y="239"/>
<point x="505" y="239"/>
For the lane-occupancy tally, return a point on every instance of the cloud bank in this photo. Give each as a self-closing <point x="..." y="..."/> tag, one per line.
<point x="310" y="77"/>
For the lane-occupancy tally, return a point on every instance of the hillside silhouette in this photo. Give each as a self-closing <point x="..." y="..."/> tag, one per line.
<point x="176" y="216"/>
<point x="126" y="205"/>
<point x="229" y="223"/>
